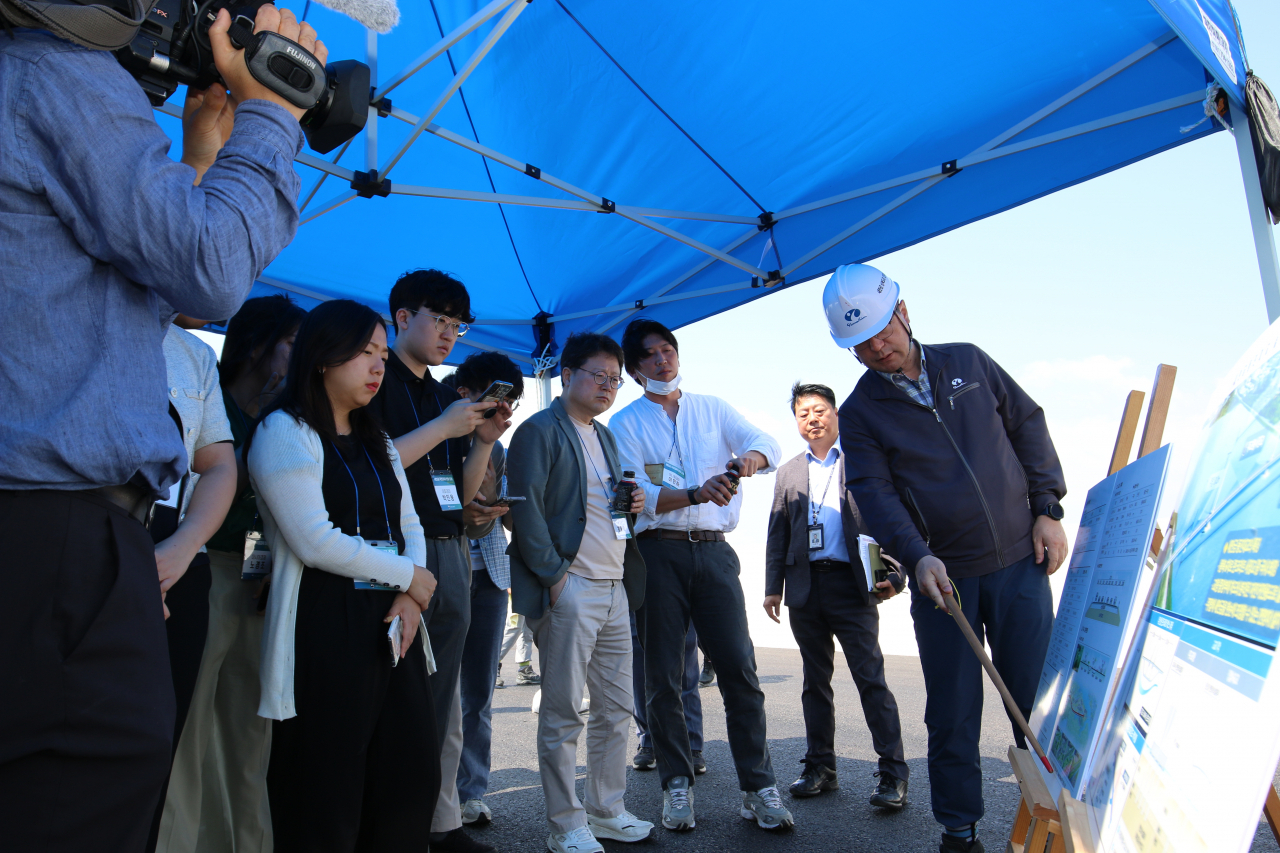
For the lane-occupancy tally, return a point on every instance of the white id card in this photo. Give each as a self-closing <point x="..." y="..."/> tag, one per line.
<point x="672" y="476"/>
<point x="257" y="557"/>
<point x="387" y="547"/>
<point x="620" y="528"/>
<point x="446" y="490"/>
<point x="815" y="537"/>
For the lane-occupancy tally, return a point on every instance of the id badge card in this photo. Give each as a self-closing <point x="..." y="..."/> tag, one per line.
<point x="257" y="557"/>
<point x="620" y="528"/>
<point x="815" y="537"/>
<point x="446" y="490"/>
<point x="672" y="476"/>
<point x="387" y="547"/>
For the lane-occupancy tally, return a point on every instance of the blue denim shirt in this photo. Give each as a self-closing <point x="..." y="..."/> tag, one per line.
<point x="98" y="230"/>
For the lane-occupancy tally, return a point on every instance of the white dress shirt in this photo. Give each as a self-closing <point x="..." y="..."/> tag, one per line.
<point x="825" y="486"/>
<point x="705" y="435"/>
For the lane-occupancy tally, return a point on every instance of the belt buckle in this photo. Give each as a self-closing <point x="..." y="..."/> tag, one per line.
<point x="689" y="535"/>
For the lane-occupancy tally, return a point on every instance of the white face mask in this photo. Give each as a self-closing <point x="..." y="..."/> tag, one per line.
<point x="653" y="386"/>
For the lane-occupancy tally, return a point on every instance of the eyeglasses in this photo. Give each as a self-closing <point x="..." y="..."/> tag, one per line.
<point x="881" y="336"/>
<point x="615" y="382"/>
<point x="442" y="323"/>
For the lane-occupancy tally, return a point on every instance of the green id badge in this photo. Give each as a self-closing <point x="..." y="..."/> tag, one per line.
<point x="672" y="476"/>
<point x="446" y="490"/>
<point x="372" y="583"/>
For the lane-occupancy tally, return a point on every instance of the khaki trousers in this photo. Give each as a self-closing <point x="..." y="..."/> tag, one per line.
<point x="448" y="813"/>
<point x="584" y="640"/>
<point x="217" y="799"/>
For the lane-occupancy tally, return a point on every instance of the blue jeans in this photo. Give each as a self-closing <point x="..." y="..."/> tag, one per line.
<point x="479" y="663"/>
<point x="691" y="698"/>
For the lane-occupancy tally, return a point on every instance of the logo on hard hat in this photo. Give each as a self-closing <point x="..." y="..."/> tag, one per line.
<point x="853" y="316"/>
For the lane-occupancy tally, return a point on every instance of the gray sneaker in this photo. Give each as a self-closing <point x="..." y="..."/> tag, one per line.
<point x="677" y="805"/>
<point x="766" y="809"/>
<point x="526" y="675"/>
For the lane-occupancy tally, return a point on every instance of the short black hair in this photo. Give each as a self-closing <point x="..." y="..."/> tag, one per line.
<point x="583" y="345"/>
<point x="633" y="340"/>
<point x="809" y="389"/>
<point x="479" y="369"/>
<point x="433" y="290"/>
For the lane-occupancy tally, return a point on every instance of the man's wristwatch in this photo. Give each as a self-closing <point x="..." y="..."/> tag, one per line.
<point x="693" y="496"/>
<point x="1054" y="511"/>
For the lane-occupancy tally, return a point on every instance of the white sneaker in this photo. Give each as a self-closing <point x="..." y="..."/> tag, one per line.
<point x="475" y="813"/>
<point x="579" y="840"/>
<point x="624" y="827"/>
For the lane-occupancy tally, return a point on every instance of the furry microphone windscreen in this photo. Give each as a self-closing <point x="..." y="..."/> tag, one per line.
<point x="377" y="15"/>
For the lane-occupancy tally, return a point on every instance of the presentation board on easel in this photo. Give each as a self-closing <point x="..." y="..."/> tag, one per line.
<point x="1108" y="578"/>
<point x="1186" y="757"/>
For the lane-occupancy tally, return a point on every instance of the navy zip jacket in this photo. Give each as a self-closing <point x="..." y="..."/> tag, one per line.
<point x="963" y="481"/>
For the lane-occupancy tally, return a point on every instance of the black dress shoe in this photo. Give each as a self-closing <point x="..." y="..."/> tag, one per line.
<point x="644" y="759"/>
<point x="814" y="780"/>
<point x="457" y="841"/>
<point x="699" y="763"/>
<point x="952" y="844"/>
<point x="891" y="793"/>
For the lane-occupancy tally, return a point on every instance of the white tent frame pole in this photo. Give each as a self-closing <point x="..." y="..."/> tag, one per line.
<point x="371" y="122"/>
<point x="1263" y="237"/>
<point x="1087" y="86"/>
<point x="324" y="172"/>
<point x="438" y="49"/>
<point x="332" y="204"/>
<point x="490" y="40"/>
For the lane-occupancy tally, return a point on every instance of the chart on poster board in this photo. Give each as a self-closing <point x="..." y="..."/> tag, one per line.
<point x="1190" y="746"/>
<point x="1107" y="582"/>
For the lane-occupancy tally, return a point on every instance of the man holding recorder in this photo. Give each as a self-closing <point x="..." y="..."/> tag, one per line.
<point x="97" y="220"/>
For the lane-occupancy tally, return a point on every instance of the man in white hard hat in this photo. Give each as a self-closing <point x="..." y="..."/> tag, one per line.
<point x="953" y="468"/>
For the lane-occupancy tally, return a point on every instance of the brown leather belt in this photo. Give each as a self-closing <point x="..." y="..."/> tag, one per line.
<point x="682" y="535"/>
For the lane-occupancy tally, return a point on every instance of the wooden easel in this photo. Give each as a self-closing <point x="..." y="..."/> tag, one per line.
<point x="1039" y="825"/>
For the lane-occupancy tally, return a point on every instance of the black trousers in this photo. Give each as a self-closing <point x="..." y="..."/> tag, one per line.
<point x="358" y="769"/>
<point x="86" y="718"/>
<point x="698" y="581"/>
<point x="187" y="628"/>
<point x="833" y="610"/>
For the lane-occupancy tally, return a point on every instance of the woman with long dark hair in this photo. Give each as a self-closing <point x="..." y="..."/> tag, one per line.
<point x="217" y="798"/>
<point x="353" y="753"/>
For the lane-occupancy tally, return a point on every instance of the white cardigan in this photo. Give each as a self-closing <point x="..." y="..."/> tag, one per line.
<point x="286" y="468"/>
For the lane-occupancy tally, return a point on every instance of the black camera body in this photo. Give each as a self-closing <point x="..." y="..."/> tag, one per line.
<point x="172" y="48"/>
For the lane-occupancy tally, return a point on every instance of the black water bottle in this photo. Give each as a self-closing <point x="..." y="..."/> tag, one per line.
<point x="622" y="492"/>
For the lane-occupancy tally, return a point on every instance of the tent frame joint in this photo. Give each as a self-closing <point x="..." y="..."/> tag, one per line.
<point x="950" y="168"/>
<point x="607" y="206"/>
<point x="368" y="184"/>
<point x="766" y="221"/>
<point x="533" y="171"/>
<point x="382" y="105"/>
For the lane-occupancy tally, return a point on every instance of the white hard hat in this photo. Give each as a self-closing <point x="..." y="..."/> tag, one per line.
<point x="859" y="302"/>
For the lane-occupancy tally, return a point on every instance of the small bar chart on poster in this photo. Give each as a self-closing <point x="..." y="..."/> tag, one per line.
<point x="1107" y="581"/>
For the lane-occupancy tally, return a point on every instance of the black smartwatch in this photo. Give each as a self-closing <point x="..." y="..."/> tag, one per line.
<point x="693" y="496"/>
<point x="1054" y="511"/>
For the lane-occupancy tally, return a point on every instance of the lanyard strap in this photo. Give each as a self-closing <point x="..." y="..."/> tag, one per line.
<point x="356" y="487"/>
<point x="587" y="454"/>
<point x="675" y="440"/>
<point x="814" y="509"/>
<point x="448" y="461"/>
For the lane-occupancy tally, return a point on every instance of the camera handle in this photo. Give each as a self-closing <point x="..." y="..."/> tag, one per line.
<point x="283" y="66"/>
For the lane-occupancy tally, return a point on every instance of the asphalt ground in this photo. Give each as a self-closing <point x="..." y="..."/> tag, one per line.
<point x="836" y="821"/>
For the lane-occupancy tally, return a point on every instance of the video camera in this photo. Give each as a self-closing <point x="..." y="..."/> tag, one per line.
<point x="172" y="48"/>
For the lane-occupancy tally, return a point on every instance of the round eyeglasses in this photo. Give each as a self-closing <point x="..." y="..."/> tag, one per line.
<point x="615" y="382"/>
<point x="443" y="322"/>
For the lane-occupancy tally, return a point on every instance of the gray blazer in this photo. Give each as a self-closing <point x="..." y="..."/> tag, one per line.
<point x="786" y="561"/>
<point x="545" y="464"/>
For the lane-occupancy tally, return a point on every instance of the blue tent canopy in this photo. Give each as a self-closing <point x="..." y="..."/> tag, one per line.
<point x="600" y="158"/>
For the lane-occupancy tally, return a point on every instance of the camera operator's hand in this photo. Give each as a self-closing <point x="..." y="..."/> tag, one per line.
<point x="207" y="119"/>
<point x="230" y="62"/>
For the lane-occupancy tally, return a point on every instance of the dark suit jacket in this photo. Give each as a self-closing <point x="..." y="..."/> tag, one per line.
<point x="545" y="464"/>
<point x="786" y="565"/>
